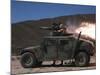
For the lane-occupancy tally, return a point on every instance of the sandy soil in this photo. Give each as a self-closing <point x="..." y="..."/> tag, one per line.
<point x="16" y="67"/>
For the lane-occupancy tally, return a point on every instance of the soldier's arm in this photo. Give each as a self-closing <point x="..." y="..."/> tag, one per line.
<point x="60" y="30"/>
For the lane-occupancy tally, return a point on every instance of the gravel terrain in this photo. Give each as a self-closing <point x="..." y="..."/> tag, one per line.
<point x="46" y="66"/>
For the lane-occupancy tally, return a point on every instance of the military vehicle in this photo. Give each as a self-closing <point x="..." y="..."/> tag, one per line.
<point x="58" y="48"/>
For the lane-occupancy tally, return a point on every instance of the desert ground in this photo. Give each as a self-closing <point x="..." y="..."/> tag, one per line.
<point x="46" y="66"/>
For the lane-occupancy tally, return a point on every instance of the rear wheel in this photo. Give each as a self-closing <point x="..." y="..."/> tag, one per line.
<point x="82" y="59"/>
<point x="28" y="60"/>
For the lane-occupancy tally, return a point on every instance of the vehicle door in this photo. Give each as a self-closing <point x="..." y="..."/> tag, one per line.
<point x="51" y="47"/>
<point x="65" y="48"/>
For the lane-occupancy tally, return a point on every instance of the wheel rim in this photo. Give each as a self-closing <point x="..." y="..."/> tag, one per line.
<point x="81" y="59"/>
<point x="27" y="60"/>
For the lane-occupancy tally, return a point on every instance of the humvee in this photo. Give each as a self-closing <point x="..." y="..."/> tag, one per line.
<point x="58" y="48"/>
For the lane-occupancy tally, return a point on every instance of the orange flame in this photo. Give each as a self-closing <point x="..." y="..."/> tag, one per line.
<point x="87" y="29"/>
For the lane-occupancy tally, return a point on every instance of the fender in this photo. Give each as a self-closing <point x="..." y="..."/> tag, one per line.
<point x="34" y="50"/>
<point x="87" y="46"/>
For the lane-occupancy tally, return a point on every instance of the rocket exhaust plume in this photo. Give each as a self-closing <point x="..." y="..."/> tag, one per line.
<point x="87" y="29"/>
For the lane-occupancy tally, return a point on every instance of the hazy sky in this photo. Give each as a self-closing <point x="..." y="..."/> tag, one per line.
<point x="21" y="11"/>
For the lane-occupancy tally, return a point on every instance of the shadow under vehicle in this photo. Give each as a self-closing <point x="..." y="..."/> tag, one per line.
<point x="58" y="48"/>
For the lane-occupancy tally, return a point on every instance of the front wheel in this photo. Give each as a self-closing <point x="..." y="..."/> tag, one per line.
<point x="82" y="59"/>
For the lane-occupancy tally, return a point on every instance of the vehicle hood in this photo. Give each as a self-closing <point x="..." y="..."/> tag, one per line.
<point x="32" y="47"/>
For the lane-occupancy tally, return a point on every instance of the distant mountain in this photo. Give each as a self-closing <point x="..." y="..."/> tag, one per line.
<point x="28" y="33"/>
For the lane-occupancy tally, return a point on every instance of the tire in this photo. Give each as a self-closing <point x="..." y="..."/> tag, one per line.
<point x="28" y="60"/>
<point x="82" y="59"/>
